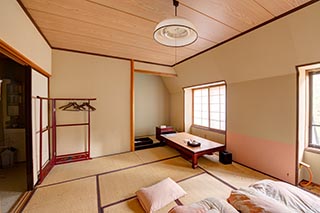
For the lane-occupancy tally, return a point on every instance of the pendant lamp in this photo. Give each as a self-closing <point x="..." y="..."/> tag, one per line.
<point x="176" y="31"/>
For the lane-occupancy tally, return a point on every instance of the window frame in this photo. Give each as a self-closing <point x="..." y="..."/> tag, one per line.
<point x="219" y="84"/>
<point x="310" y="75"/>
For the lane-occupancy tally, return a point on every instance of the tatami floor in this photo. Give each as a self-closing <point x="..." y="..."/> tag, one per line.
<point x="108" y="184"/>
<point x="12" y="185"/>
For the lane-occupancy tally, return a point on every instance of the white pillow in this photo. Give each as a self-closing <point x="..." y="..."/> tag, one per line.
<point x="159" y="195"/>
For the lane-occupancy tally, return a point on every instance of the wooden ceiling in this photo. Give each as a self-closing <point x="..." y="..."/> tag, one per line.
<point x="124" y="28"/>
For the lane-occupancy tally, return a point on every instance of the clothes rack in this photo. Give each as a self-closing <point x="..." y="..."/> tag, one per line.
<point x="54" y="158"/>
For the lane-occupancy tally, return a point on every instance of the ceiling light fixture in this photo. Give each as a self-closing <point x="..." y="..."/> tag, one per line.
<point x="176" y="31"/>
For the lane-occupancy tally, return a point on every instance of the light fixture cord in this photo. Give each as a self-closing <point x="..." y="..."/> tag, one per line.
<point x="176" y="4"/>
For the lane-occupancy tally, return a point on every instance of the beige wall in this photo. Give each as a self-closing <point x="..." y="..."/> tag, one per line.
<point x="108" y="80"/>
<point x="259" y="69"/>
<point x="151" y="103"/>
<point x="19" y="32"/>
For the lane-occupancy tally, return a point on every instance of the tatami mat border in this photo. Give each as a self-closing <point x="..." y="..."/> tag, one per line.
<point x="98" y="195"/>
<point x="108" y="172"/>
<point x="219" y="179"/>
<point x="126" y="199"/>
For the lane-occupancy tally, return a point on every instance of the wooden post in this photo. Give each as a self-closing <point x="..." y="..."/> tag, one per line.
<point x="132" y="105"/>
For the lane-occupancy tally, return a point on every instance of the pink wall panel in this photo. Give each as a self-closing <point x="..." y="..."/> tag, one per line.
<point x="272" y="157"/>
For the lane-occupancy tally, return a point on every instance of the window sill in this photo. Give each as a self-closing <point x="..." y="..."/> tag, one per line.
<point x="313" y="150"/>
<point x="209" y="129"/>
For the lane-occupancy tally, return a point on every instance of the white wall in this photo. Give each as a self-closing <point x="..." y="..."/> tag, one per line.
<point x="77" y="75"/>
<point x="152" y="102"/>
<point x="259" y="68"/>
<point x="19" y="32"/>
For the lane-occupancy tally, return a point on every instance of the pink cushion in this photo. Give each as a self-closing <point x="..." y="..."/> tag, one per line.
<point x="159" y="195"/>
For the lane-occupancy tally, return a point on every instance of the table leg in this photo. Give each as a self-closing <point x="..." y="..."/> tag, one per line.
<point x="194" y="161"/>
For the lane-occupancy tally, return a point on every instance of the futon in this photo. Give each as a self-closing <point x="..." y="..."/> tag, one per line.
<point x="262" y="196"/>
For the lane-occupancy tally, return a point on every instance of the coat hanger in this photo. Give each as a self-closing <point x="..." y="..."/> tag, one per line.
<point x="71" y="106"/>
<point x="74" y="106"/>
<point x="89" y="107"/>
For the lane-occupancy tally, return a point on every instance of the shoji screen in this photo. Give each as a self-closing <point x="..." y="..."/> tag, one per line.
<point x="39" y="88"/>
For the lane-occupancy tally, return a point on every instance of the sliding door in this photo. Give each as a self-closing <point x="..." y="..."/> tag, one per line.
<point x="39" y="88"/>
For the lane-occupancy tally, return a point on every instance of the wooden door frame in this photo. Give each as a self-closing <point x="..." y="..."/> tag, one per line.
<point x="19" y="58"/>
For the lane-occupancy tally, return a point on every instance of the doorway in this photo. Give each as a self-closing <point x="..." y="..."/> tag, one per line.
<point x="15" y="143"/>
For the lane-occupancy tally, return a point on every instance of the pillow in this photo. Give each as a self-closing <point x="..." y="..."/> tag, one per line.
<point x="159" y="195"/>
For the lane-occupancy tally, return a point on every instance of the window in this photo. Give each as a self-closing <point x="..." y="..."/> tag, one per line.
<point x="209" y="107"/>
<point x="314" y="109"/>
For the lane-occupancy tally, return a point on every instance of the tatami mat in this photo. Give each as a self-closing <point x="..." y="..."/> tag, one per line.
<point x="154" y="154"/>
<point x="203" y="186"/>
<point x="234" y="174"/>
<point x="133" y="206"/>
<point x="74" y="196"/>
<point x="109" y="183"/>
<point x="71" y="171"/>
<point x="123" y="184"/>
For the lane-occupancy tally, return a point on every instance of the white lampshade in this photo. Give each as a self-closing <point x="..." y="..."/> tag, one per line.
<point x="175" y="32"/>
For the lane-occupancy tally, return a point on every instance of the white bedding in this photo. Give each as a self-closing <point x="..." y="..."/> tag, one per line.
<point x="274" y="196"/>
<point x="210" y="205"/>
<point x="263" y="196"/>
<point x="288" y="195"/>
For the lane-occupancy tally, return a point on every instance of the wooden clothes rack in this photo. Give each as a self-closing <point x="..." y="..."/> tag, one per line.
<point x="55" y="159"/>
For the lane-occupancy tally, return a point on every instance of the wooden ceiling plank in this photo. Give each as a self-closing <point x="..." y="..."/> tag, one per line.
<point x="241" y="15"/>
<point x="207" y="28"/>
<point x="52" y="22"/>
<point x="154" y="11"/>
<point x="92" y="13"/>
<point x="277" y="7"/>
<point x="65" y="40"/>
<point x="80" y="13"/>
<point x="125" y="28"/>
<point x="157" y="11"/>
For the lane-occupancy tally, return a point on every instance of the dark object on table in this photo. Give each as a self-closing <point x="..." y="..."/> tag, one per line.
<point x="225" y="157"/>
<point x="193" y="143"/>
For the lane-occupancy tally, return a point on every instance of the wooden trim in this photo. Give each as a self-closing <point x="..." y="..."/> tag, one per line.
<point x="192" y="114"/>
<point x="212" y="82"/>
<point x="226" y="108"/>
<point x="108" y="56"/>
<point x="18" y="57"/>
<point x="310" y="106"/>
<point x="28" y="127"/>
<point x="184" y="111"/>
<point x="156" y="73"/>
<point x="208" y="88"/>
<point x="250" y="30"/>
<point x="132" y="105"/>
<point x="297" y="126"/>
<point x="208" y="129"/>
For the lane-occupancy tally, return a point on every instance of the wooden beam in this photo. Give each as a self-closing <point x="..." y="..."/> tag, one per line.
<point x="156" y="73"/>
<point x="15" y="55"/>
<point x="132" y="105"/>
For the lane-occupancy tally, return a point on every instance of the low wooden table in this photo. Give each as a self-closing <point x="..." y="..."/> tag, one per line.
<point x="179" y="142"/>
